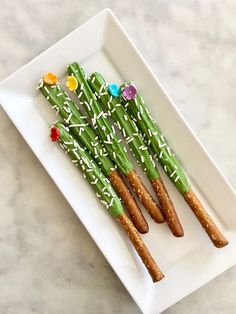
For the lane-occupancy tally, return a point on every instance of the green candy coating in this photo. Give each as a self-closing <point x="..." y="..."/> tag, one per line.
<point x="138" y="111"/>
<point x="99" y="120"/>
<point x="77" y="123"/>
<point x="126" y="125"/>
<point x="91" y="171"/>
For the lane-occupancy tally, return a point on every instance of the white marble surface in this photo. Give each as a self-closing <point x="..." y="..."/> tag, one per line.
<point x="48" y="262"/>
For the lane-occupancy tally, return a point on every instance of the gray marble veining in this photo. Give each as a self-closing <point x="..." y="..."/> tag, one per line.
<point x="48" y="262"/>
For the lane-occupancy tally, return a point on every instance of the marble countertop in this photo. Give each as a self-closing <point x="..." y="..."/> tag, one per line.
<point x="191" y="47"/>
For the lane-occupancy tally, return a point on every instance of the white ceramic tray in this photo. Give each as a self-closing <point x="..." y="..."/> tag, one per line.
<point x="101" y="44"/>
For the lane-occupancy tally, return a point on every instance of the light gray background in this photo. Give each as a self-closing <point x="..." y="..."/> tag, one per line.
<point x="48" y="262"/>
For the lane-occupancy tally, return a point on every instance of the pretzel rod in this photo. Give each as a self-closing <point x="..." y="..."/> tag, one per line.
<point x="104" y="191"/>
<point x="144" y="196"/>
<point x="81" y="129"/>
<point x="90" y="170"/>
<point x="108" y="136"/>
<point x="140" y="248"/>
<point x="205" y="220"/>
<point x="138" y="111"/>
<point x="122" y="190"/>
<point x="169" y="214"/>
<point x="110" y="100"/>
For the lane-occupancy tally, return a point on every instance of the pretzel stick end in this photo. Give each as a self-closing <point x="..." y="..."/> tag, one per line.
<point x="145" y="197"/>
<point x="205" y="220"/>
<point x="168" y="209"/>
<point x="129" y="202"/>
<point x="140" y="247"/>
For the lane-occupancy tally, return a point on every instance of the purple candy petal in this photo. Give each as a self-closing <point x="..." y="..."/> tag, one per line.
<point x="129" y="92"/>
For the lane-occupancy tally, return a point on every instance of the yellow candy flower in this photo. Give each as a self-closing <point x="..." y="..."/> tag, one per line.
<point x="72" y="83"/>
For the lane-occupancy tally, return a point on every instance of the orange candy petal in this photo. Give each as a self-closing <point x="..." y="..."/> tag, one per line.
<point x="50" y="79"/>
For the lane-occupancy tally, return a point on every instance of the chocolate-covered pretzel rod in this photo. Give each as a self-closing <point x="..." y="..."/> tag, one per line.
<point x="109" y="98"/>
<point x="80" y="128"/>
<point x="137" y="109"/>
<point x="104" y="191"/>
<point x="107" y="135"/>
<point x="90" y="170"/>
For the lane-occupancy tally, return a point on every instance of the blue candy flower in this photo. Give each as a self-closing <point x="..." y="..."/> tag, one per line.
<point x="114" y="90"/>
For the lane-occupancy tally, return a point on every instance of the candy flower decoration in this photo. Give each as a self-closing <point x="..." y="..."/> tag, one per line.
<point x="114" y="90"/>
<point x="72" y="83"/>
<point x="129" y="92"/>
<point x="50" y="79"/>
<point x="55" y="134"/>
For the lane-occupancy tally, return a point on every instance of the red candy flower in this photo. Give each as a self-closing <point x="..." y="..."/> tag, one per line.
<point x="55" y="134"/>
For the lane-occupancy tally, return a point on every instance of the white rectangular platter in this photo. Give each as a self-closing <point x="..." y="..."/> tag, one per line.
<point x="102" y="45"/>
